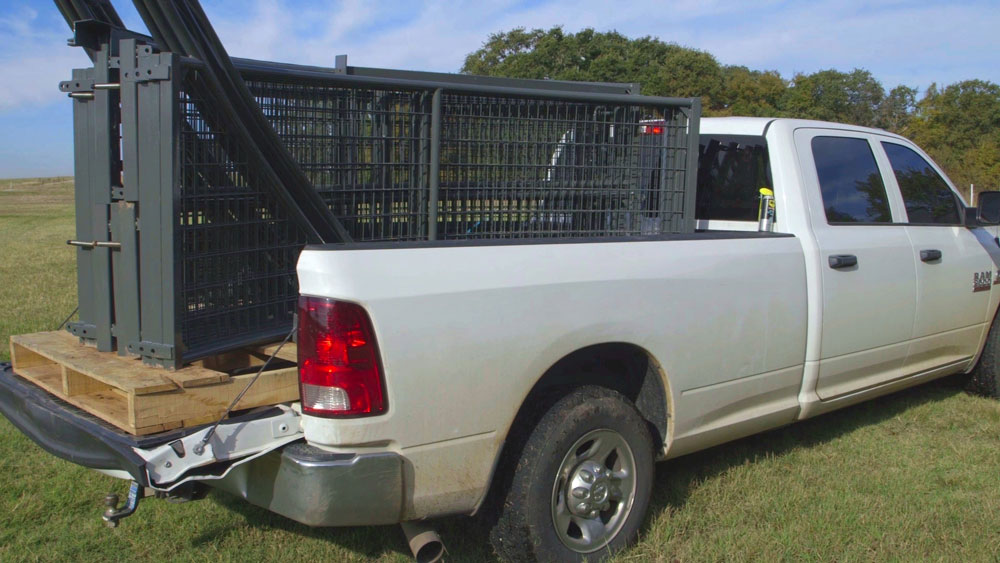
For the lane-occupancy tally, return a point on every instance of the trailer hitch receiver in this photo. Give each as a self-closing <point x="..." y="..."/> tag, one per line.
<point x="113" y="514"/>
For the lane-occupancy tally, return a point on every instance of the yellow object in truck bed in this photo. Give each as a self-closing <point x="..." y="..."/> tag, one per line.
<point x="142" y="399"/>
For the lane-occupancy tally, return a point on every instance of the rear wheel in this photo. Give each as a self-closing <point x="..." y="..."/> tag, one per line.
<point x="985" y="378"/>
<point x="582" y="484"/>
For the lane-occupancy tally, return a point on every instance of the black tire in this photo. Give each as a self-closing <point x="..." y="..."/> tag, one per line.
<point x="985" y="377"/>
<point x="569" y="439"/>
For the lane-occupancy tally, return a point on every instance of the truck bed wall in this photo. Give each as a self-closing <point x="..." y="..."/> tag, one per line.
<point x="484" y="323"/>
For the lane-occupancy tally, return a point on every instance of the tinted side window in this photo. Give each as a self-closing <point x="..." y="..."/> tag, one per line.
<point x="731" y="171"/>
<point x="853" y="190"/>
<point x="927" y="197"/>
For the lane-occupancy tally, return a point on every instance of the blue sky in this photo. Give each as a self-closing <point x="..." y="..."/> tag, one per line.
<point x="913" y="43"/>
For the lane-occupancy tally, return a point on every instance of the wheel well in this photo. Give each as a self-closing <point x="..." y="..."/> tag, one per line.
<point x="622" y="367"/>
<point x="625" y="368"/>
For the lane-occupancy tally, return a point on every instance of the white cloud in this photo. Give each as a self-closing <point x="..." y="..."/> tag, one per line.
<point x="900" y="42"/>
<point x="34" y="59"/>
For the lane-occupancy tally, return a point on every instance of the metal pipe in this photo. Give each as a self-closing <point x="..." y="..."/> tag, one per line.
<point x="82" y="95"/>
<point x="435" y="172"/>
<point x="94" y="244"/>
<point x="107" y="86"/>
<point x="424" y="542"/>
<point x="266" y="69"/>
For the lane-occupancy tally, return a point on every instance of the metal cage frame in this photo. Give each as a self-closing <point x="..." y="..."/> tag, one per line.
<point x="190" y="252"/>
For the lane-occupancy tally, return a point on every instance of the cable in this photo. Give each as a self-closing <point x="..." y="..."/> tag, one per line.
<point x="200" y="447"/>
<point x="70" y="316"/>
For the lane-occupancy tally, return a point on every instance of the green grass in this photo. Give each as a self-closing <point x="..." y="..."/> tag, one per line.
<point x="37" y="268"/>
<point x="913" y="476"/>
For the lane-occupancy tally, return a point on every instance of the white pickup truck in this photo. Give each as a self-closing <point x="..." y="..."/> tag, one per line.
<point x="540" y="381"/>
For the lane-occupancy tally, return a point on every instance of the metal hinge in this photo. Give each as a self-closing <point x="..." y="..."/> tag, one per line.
<point x="84" y="89"/>
<point x="148" y="72"/>
<point x="152" y="350"/>
<point x="82" y="330"/>
<point x="72" y="86"/>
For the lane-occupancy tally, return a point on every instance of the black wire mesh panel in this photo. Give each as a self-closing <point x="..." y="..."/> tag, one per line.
<point x="238" y="247"/>
<point x="366" y="151"/>
<point x="533" y="168"/>
<point x="507" y="167"/>
<point x="510" y="167"/>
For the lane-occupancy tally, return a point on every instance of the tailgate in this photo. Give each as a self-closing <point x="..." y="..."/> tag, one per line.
<point x="160" y="461"/>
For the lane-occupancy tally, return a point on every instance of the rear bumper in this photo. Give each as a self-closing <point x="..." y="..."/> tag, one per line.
<point x="318" y="488"/>
<point x="298" y="481"/>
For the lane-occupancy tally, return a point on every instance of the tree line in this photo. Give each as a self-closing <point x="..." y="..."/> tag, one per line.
<point x="957" y="124"/>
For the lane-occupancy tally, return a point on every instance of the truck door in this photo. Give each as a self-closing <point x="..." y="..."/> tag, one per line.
<point x="954" y="268"/>
<point x="867" y="272"/>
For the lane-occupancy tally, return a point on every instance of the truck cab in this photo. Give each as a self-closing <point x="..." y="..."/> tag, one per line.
<point x="882" y="229"/>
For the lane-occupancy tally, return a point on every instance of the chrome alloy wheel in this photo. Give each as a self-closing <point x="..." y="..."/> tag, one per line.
<point x="593" y="491"/>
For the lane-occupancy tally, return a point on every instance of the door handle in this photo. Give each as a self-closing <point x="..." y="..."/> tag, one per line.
<point x="839" y="261"/>
<point x="930" y="255"/>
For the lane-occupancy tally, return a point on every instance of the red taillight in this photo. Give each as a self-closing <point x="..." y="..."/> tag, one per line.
<point x="651" y="129"/>
<point x="338" y="360"/>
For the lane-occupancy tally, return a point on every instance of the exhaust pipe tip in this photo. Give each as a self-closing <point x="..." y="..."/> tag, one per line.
<point x="425" y="543"/>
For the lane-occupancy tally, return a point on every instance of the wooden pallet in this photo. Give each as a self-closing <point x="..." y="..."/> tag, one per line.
<point x="141" y="399"/>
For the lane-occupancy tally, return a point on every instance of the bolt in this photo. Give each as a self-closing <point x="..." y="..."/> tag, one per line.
<point x="593" y="514"/>
<point x="587" y="476"/>
<point x="583" y="506"/>
<point x="580" y="492"/>
<point x="168" y="465"/>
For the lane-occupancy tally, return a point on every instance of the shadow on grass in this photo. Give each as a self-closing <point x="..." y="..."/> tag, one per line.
<point x="675" y="479"/>
<point x="369" y="541"/>
<point x="466" y="539"/>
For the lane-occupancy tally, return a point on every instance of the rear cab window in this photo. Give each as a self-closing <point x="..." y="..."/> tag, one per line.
<point x="731" y="171"/>
<point x="850" y="181"/>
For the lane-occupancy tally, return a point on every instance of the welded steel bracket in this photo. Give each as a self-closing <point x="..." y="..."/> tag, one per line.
<point x="82" y="329"/>
<point x="73" y="86"/>
<point x="149" y="68"/>
<point x="168" y="463"/>
<point x="154" y="350"/>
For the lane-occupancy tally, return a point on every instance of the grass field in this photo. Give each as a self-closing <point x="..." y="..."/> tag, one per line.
<point x="910" y="477"/>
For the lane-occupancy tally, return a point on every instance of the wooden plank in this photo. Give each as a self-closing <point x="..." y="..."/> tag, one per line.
<point x="76" y="383"/>
<point x="194" y="376"/>
<point x="22" y="357"/>
<point x="122" y="373"/>
<point x="288" y="351"/>
<point x="201" y="404"/>
<point x="105" y="405"/>
<point x="47" y="376"/>
<point x="231" y="361"/>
